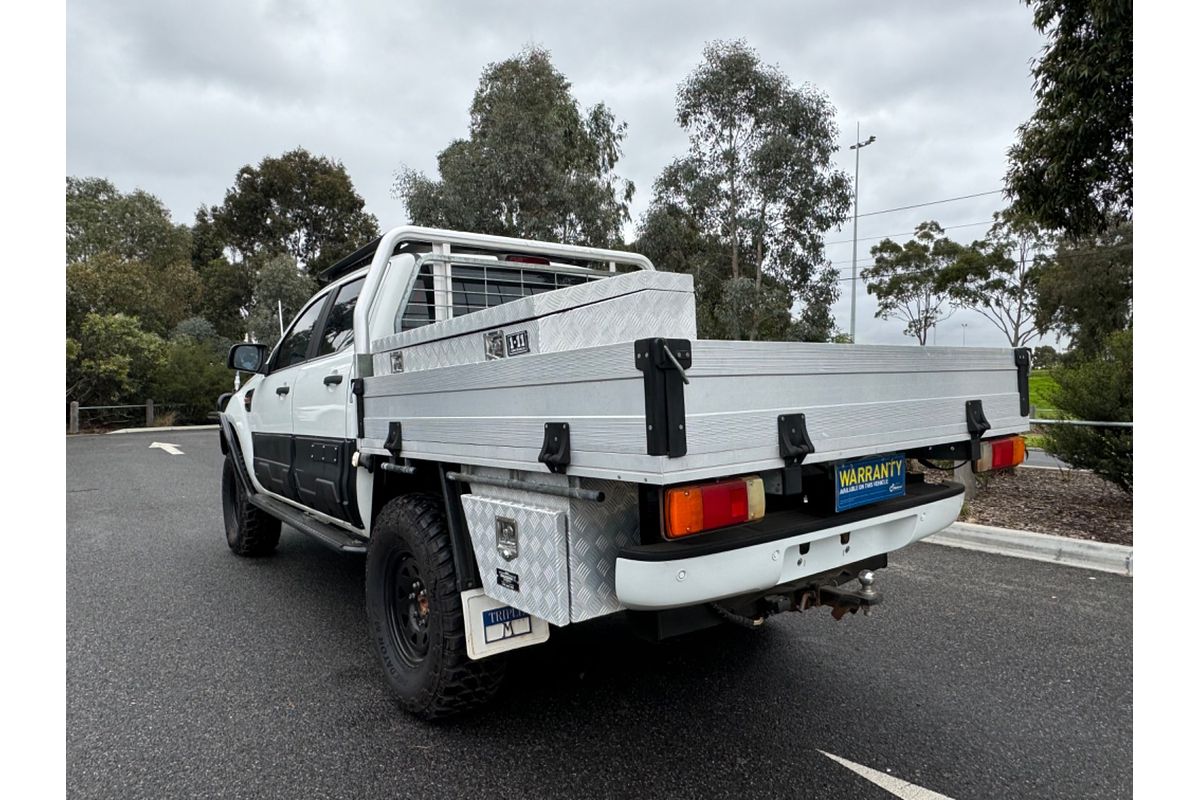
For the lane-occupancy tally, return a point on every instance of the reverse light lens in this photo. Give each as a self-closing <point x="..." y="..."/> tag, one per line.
<point x="1001" y="453"/>
<point x="705" y="506"/>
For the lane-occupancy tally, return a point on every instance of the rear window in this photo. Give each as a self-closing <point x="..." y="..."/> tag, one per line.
<point x="474" y="288"/>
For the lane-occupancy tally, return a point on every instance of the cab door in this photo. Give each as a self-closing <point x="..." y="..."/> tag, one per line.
<point x="323" y="442"/>
<point x="272" y="403"/>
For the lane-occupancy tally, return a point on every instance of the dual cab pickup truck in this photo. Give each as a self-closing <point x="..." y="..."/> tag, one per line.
<point x="523" y="435"/>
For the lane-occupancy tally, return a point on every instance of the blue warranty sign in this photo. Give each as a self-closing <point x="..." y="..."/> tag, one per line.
<point x="869" y="480"/>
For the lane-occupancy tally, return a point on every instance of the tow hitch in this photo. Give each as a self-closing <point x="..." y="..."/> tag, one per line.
<point x="842" y="598"/>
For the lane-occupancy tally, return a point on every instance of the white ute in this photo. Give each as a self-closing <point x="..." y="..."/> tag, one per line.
<point x="526" y="434"/>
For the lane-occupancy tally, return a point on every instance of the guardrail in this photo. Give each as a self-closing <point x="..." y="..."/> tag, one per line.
<point x="127" y="414"/>
<point x="1084" y="422"/>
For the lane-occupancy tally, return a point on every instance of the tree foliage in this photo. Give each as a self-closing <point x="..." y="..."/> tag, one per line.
<point x="1072" y="166"/>
<point x="997" y="276"/>
<point x="227" y="292"/>
<point x="191" y="375"/>
<point x="534" y="165"/>
<point x="1097" y="388"/>
<point x="133" y="227"/>
<point x="746" y="209"/>
<point x="1045" y="357"/>
<point x="279" y="283"/>
<point x="112" y="360"/>
<point x="909" y="280"/>
<point x="1086" y="291"/>
<point x="159" y="297"/>
<point x="296" y="204"/>
<point x="126" y="256"/>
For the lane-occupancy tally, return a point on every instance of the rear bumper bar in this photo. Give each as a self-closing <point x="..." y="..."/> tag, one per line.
<point x="649" y="578"/>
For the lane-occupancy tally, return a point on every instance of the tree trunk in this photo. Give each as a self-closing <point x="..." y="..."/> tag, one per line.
<point x="733" y="203"/>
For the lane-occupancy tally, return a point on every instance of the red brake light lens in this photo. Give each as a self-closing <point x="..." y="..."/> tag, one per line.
<point x="1000" y="453"/>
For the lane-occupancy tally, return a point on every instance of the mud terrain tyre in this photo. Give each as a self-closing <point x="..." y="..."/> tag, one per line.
<point x="415" y="612"/>
<point x="249" y="530"/>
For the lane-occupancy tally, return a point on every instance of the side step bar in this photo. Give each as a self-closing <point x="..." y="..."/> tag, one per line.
<point x="326" y="534"/>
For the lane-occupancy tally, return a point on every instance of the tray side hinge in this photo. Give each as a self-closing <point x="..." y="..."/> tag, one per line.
<point x="1021" y="356"/>
<point x="664" y="364"/>
<point x="977" y="425"/>
<point x="556" y="446"/>
<point x="794" y="442"/>
<point x="794" y="446"/>
<point x="394" y="439"/>
<point x="358" y="389"/>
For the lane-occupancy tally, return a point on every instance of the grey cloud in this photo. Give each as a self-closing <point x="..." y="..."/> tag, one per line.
<point x="174" y="97"/>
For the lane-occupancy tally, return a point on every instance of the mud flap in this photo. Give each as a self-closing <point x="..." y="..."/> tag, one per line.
<point x="493" y="627"/>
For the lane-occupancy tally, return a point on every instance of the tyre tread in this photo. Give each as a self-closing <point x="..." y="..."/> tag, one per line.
<point x="460" y="683"/>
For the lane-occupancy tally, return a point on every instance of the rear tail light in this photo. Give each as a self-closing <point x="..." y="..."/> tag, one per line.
<point x="1000" y="453"/>
<point x="704" y="506"/>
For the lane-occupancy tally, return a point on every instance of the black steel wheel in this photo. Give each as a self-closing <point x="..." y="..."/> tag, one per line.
<point x="408" y="613"/>
<point x="415" y="613"/>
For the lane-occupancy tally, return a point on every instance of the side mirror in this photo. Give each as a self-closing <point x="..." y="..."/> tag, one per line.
<point x="247" y="357"/>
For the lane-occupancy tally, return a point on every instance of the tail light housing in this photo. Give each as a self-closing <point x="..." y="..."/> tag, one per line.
<point x="700" y="507"/>
<point x="1000" y="453"/>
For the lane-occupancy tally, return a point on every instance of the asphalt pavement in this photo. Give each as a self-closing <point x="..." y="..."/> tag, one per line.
<point x="194" y="673"/>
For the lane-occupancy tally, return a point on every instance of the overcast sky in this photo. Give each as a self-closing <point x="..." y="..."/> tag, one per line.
<point x="174" y="97"/>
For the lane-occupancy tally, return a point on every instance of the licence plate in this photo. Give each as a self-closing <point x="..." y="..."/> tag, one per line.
<point x="868" y="480"/>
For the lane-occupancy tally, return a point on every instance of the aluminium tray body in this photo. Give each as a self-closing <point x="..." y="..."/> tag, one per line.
<point x="857" y="399"/>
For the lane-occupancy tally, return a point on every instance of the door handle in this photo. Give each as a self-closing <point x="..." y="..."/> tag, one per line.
<point x="332" y="380"/>
<point x="282" y="390"/>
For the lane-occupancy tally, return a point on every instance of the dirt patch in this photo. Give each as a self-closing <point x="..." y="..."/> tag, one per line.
<point x="1062" y="502"/>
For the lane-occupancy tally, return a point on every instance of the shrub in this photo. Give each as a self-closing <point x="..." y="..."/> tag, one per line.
<point x="191" y="377"/>
<point x="1098" y="388"/>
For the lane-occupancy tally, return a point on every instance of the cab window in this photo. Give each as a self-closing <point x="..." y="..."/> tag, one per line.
<point x="339" y="325"/>
<point x="294" y="347"/>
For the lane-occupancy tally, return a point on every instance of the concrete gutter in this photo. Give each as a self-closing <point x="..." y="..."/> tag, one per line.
<point x="1100" y="556"/>
<point x="167" y="428"/>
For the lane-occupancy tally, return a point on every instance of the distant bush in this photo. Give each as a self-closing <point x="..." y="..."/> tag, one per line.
<point x="1098" y="388"/>
<point x="191" y="377"/>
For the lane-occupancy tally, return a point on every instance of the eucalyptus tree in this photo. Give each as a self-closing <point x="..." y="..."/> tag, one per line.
<point x="909" y="280"/>
<point x="534" y="164"/>
<point x="758" y="180"/>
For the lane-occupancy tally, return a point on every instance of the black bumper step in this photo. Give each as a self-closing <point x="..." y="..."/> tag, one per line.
<point x="784" y="524"/>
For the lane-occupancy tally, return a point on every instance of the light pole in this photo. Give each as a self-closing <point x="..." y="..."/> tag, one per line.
<point x="856" y="147"/>
<point x="964" y="327"/>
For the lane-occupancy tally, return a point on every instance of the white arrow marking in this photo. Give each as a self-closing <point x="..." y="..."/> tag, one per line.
<point x="173" y="449"/>
<point x="902" y="789"/>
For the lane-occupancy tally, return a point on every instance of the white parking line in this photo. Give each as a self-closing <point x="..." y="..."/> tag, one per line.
<point x="173" y="449"/>
<point x="902" y="789"/>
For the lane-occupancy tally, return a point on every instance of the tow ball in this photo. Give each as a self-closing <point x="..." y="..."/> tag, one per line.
<point x="843" y="599"/>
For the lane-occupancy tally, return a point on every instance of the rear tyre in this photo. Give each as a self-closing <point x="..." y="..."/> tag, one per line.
<point x="249" y="530"/>
<point x="415" y="614"/>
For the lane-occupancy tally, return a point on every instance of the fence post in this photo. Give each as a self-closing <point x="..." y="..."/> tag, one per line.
<point x="149" y="413"/>
<point x="966" y="476"/>
<point x="74" y="424"/>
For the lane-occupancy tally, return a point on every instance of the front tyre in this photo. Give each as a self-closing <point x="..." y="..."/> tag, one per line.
<point x="249" y="530"/>
<point x="415" y="612"/>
